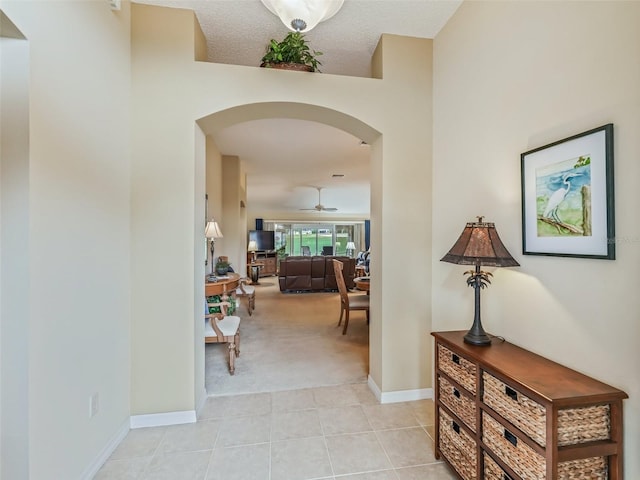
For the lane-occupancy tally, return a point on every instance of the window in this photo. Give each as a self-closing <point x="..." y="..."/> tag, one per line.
<point x="290" y="237"/>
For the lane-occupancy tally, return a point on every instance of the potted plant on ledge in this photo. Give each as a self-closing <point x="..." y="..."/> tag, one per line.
<point x="292" y="53"/>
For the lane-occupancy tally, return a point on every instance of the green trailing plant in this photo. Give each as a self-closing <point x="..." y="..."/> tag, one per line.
<point x="293" y="49"/>
<point x="217" y="299"/>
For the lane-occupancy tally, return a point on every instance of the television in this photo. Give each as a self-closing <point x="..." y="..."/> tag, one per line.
<point x="265" y="239"/>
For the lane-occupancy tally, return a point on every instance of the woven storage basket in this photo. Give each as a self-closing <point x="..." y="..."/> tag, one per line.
<point x="522" y="459"/>
<point x="459" y="403"/>
<point x="575" y="425"/>
<point x="458" y="368"/>
<point x="457" y="447"/>
<point x="493" y="471"/>
<point x="528" y="464"/>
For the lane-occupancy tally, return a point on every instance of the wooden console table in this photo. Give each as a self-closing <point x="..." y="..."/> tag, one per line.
<point x="223" y="286"/>
<point x="504" y="412"/>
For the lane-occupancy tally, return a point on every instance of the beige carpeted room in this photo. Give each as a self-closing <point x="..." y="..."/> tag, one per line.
<point x="291" y="341"/>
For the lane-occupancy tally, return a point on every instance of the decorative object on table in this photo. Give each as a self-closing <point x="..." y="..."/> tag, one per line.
<point x="292" y="53"/>
<point x="302" y="16"/>
<point x="567" y="197"/>
<point x="351" y="248"/>
<point x="222" y="266"/>
<point x="212" y="231"/>
<point x="479" y="244"/>
<point x="252" y="247"/>
<point x="255" y="268"/>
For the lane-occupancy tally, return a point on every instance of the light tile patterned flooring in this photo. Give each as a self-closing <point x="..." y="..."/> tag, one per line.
<point x="327" y="433"/>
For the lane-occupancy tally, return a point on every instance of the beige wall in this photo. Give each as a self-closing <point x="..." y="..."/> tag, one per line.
<point x="234" y="215"/>
<point x="163" y="208"/>
<point x="509" y="77"/>
<point x="218" y="96"/>
<point x="75" y="259"/>
<point x="14" y="251"/>
<point x="100" y="253"/>
<point x="213" y="186"/>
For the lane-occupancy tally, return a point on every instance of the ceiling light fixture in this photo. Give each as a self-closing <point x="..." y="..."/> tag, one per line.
<point x="303" y="15"/>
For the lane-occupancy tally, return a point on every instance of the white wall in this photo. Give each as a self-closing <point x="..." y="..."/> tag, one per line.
<point x="78" y="234"/>
<point x="509" y="77"/>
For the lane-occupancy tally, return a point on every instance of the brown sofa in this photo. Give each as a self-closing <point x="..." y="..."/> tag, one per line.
<point x="313" y="274"/>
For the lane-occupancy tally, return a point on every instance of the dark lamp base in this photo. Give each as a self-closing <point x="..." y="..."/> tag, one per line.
<point x="477" y="338"/>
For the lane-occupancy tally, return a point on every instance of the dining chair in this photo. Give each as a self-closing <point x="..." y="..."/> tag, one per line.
<point x="245" y="290"/>
<point x="348" y="302"/>
<point x="222" y="328"/>
<point x="305" y="250"/>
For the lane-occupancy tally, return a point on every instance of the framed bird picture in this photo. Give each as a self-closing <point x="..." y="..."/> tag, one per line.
<point x="567" y="197"/>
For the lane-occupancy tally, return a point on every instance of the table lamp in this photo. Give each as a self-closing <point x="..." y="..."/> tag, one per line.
<point x="351" y="247"/>
<point x="479" y="244"/>
<point x="212" y="231"/>
<point x="252" y="247"/>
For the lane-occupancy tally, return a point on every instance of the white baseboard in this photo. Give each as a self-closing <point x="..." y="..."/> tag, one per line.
<point x="162" y="419"/>
<point x="201" y="401"/>
<point x="400" y="395"/>
<point x="374" y="388"/>
<point x="106" y="452"/>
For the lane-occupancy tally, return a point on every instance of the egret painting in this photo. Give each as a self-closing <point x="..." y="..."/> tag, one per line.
<point x="568" y="197"/>
<point x="563" y="198"/>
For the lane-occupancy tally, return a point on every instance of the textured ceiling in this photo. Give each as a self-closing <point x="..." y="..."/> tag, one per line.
<point x="238" y="31"/>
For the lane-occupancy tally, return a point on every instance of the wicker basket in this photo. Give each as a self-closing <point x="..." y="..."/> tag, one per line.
<point x="528" y="464"/>
<point x="493" y="471"/>
<point x="458" y="368"/>
<point x="594" y="468"/>
<point x="522" y="459"/>
<point x="575" y="425"/>
<point x="458" y="402"/>
<point x="457" y="447"/>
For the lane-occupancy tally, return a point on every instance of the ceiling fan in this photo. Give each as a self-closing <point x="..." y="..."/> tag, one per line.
<point x="319" y="207"/>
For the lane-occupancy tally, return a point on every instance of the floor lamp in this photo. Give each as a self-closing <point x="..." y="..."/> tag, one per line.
<point x="212" y="231"/>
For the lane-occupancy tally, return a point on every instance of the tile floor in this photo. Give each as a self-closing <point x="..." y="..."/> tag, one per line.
<point x="328" y="433"/>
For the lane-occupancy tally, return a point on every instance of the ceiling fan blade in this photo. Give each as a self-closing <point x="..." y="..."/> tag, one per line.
<point x="319" y="207"/>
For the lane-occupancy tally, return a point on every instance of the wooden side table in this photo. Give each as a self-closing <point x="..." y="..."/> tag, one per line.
<point x="362" y="283"/>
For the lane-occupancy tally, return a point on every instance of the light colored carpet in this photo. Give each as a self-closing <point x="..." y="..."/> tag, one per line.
<point x="291" y="341"/>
